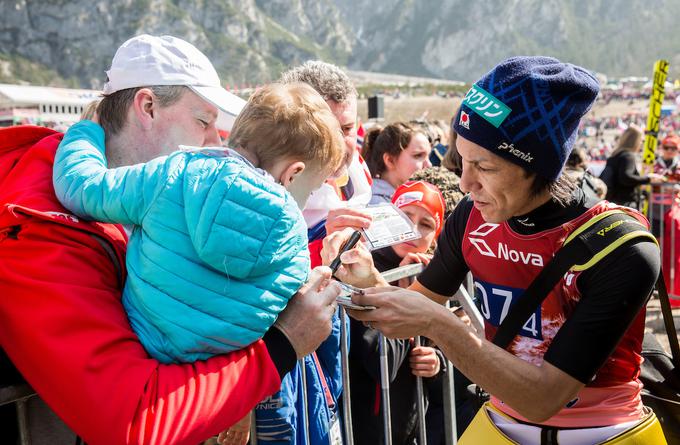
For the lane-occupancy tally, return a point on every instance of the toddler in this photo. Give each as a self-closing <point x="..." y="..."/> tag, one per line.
<point x="218" y="243"/>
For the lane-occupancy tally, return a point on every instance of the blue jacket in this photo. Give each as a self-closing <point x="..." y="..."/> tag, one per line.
<point x="217" y="250"/>
<point x="280" y="418"/>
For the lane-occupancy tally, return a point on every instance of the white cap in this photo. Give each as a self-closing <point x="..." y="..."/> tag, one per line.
<point x="147" y="60"/>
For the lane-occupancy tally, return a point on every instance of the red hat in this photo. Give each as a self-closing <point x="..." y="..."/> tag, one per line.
<point x="671" y="140"/>
<point x="422" y="194"/>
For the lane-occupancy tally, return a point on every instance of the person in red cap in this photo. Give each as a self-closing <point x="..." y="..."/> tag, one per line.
<point x="424" y="204"/>
<point x="663" y="216"/>
<point x="668" y="166"/>
<point x="668" y="163"/>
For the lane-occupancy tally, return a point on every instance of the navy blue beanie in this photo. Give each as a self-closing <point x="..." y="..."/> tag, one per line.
<point x="527" y="110"/>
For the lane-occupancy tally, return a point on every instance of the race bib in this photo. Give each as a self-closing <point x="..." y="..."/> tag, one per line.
<point x="495" y="303"/>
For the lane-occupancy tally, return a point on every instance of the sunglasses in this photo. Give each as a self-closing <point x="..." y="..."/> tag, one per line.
<point x="669" y="148"/>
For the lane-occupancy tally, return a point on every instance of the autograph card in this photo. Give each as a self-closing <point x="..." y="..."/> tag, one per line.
<point x="390" y="226"/>
<point x="345" y="297"/>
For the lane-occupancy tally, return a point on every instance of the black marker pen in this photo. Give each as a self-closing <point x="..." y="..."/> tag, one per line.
<point x="353" y="240"/>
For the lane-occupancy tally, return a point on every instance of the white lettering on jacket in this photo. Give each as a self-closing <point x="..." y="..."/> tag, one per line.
<point x="503" y="251"/>
<point x="517" y="256"/>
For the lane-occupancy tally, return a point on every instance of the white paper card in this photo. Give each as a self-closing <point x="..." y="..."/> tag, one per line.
<point x="390" y="226"/>
<point x="345" y="297"/>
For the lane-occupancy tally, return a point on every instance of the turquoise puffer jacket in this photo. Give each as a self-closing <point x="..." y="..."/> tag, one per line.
<point x="217" y="250"/>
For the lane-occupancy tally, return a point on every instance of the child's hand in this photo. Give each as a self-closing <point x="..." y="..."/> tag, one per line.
<point x="238" y="434"/>
<point x="416" y="257"/>
<point x="412" y="258"/>
<point x="424" y="361"/>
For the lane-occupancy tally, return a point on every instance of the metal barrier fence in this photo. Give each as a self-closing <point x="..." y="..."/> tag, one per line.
<point x="450" y="430"/>
<point x="19" y="394"/>
<point x="659" y="206"/>
<point x="664" y="201"/>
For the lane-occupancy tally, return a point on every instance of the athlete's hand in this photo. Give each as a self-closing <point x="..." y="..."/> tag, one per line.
<point x="399" y="313"/>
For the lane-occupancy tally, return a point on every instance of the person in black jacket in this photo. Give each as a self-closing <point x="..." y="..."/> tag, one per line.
<point x="621" y="174"/>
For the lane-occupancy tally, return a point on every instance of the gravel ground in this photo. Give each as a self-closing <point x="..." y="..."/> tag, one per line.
<point x="654" y="322"/>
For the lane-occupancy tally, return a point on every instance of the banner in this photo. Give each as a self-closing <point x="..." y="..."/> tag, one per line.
<point x="653" y="120"/>
<point x="655" y="103"/>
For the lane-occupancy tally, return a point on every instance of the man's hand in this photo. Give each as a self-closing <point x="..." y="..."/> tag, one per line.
<point x="459" y="312"/>
<point x="307" y="320"/>
<point x="357" y="264"/>
<point x="238" y="434"/>
<point x="400" y="313"/>
<point x="424" y="361"/>
<point x="339" y="219"/>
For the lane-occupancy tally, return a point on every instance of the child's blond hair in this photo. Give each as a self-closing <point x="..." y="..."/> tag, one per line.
<point x="292" y="122"/>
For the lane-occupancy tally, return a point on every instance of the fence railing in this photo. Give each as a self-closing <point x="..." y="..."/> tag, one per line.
<point x="663" y="199"/>
<point x="19" y="394"/>
<point x="663" y="212"/>
<point x="448" y="395"/>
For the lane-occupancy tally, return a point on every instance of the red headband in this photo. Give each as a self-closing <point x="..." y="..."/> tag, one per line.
<point x="422" y="194"/>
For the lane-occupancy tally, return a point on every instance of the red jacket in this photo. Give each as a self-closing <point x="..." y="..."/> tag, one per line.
<point x="63" y="325"/>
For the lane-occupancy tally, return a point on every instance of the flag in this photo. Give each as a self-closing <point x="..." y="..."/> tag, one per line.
<point x="360" y="136"/>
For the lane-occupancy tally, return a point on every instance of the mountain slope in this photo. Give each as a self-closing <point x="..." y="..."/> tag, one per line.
<point x="77" y="39"/>
<point x="460" y="39"/>
<point x="71" y="42"/>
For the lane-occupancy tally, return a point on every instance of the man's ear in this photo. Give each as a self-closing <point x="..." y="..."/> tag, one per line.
<point x="144" y="106"/>
<point x="290" y="172"/>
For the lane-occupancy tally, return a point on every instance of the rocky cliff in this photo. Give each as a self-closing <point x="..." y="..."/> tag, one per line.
<point x="247" y="40"/>
<point x="461" y="39"/>
<point x="251" y="41"/>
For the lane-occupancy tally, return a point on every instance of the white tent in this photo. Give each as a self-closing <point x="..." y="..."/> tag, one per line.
<point x="34" y="104"/>
<point x="43" y="104"/>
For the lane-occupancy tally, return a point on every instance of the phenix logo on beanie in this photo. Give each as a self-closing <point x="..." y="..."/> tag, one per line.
<point x="527" y="110"/>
